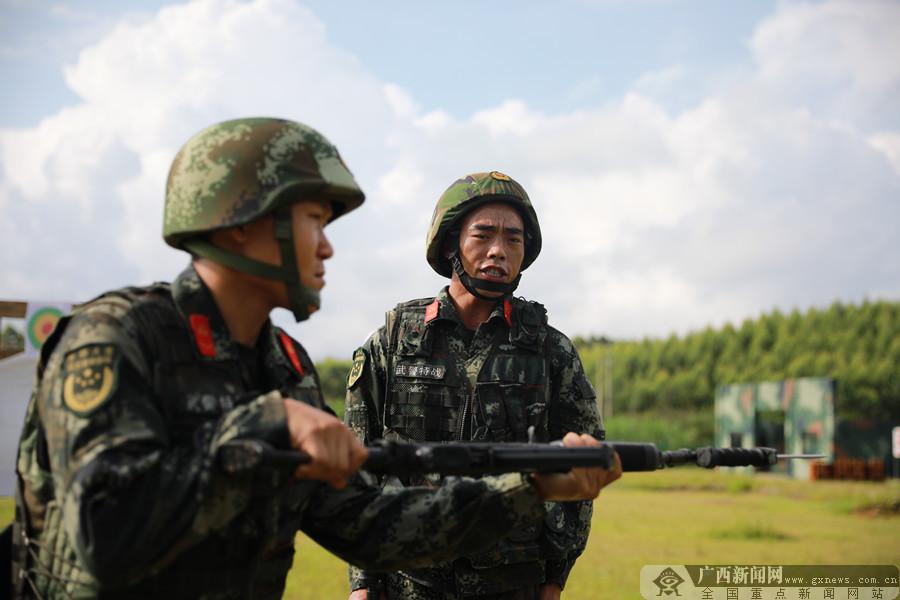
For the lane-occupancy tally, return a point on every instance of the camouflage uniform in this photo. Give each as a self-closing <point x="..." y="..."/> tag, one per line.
<point x="423" y="376"/>
<point x="120" y="491"/>
<point x="118" y="463"/>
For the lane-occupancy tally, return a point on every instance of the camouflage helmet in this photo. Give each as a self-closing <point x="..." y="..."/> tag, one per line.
<point x="234" y="172"/>
<point x="468" y="193"/>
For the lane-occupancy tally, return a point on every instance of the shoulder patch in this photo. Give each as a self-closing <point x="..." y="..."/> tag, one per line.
<point x="203" y="335"/>
<point x="431" y="311"/>
<point x="359" y="361"/>
<point x="90" y="377"/>
<point x="288" y="345"/>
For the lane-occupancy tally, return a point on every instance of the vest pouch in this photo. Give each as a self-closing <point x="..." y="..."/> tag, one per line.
<point x="490" y="419"/>
<point x="507" y="410"/>
<point x="531" y="410"/>
<point x="423" y="409"/>
<point x="516" y="402"/>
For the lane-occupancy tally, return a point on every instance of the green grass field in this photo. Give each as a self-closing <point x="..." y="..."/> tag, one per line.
<point x="687" y="517"/>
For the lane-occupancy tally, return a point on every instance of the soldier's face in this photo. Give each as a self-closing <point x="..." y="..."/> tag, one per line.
<point x="492" y="243"/>
<point x="311" y="246"/>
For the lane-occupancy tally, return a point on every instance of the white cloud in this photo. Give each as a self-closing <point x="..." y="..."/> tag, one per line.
<point x="402" y="185"/>
<point x="511" y="117"/>
<point x="434" y="121"/>
<point x="889" y="144"/>
<point x="838" y="56"/>
<point x="777" y="189"/>
<point x="400" y="101"/>
<point x="849" y="40"/>
<point x="82" y="192"/>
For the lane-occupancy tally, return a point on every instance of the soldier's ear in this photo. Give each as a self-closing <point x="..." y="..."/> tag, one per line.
<point x="238" y="234"/>
<point x="237" y="237"/>
<point x="451" y="243"/>
<point x="230" y="238"/>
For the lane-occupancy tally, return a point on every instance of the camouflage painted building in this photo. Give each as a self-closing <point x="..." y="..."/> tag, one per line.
<point x="793" y="416"/>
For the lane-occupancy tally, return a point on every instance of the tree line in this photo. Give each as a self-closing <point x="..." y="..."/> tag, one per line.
<point x="858" y="346"/>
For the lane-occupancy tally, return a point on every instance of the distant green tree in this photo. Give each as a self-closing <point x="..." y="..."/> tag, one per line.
<point x="858" y="346"/>
<point x="333" y="379"/>
<point x="11" y="339"/>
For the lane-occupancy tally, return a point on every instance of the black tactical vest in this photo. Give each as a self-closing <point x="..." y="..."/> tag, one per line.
<point x="431" y="397"/>
<point x="504" y="394"/>
<point x="252" y="555"/>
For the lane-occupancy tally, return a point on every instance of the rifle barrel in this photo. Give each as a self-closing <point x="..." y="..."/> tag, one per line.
<point x="801" y="456"/>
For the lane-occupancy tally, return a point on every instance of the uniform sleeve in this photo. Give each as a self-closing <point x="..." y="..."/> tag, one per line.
<point x="574" y="408"/>
<point x="362" y="413"/>
<point x="130" y="498"/>
<point x="403" y="528"/>
<point x="365" y="389"/>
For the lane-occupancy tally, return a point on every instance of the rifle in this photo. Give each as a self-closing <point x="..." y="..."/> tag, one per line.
<point x="479" y="458"/>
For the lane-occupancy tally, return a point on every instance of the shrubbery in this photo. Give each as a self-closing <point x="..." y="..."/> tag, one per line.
<point x="858" y="346"/>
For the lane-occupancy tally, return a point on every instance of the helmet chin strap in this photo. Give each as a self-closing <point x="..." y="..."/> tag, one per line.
<point x="473" y="284"/>
<point x="303" y="300"/>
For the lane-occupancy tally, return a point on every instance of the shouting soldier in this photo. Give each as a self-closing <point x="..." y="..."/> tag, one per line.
<point x="475" y="363"/>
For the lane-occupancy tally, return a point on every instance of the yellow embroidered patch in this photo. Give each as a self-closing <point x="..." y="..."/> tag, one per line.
<point x="91" y="375"/>
<point x="359" y="361"/>
<point x="500" y="176"/>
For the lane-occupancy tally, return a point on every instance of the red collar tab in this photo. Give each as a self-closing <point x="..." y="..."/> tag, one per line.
<point x="203" y="335"/>
<point x="431" y="312"/>
<point x="507" y="311"/>
<point x="288" y="344"/>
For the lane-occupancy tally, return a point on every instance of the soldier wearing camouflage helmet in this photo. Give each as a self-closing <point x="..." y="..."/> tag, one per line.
<point x="121" y="485"/>
<point x="475" y="363"/>
<point x="461" y="198"/>
<point x="242" y="170"/>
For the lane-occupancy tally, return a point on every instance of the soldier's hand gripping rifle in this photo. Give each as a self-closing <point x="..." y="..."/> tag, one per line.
<point x="478" y="458"/>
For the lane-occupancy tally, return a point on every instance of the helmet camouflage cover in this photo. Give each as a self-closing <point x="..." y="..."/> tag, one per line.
<point x="468" y="193"/>
<point x="236" y="171"/>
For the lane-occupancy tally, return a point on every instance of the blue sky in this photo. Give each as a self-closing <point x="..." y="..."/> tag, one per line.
<point x="556" y="56"/>
<point x="692" y="163"/>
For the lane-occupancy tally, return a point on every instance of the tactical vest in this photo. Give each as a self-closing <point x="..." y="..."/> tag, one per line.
<point x="251" y="556"/>
<point x="504" y="395"/>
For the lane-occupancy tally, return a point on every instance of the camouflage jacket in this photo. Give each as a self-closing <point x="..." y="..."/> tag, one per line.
<point x="424" y="377"/>
<point x="119" y="490"/>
